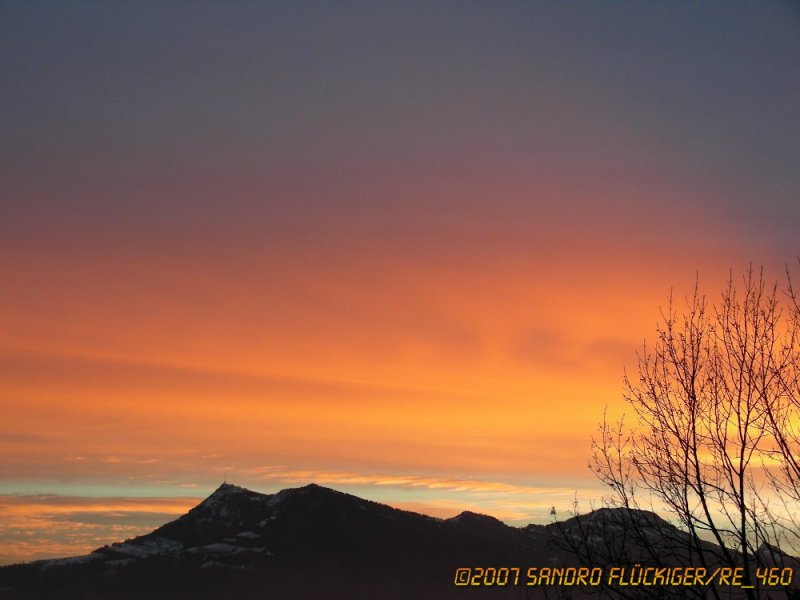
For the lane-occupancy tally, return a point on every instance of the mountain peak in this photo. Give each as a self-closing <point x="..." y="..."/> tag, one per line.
<point x="228" y="488"/>
<point x="312" y="486"/>
<point x="473" y="516"/>
<point x="224" y="493"/>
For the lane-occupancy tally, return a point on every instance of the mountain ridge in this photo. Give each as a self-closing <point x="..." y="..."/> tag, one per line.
<point x="313" y="541"/>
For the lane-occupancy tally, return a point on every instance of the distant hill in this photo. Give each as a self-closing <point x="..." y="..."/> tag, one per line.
<point x="313" y="542"/>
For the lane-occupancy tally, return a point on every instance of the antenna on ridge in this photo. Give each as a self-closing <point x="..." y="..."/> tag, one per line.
<point x="226" y="478"/>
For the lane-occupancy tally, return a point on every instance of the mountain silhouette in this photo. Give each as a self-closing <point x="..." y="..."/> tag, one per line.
<point x="315" y="542"/>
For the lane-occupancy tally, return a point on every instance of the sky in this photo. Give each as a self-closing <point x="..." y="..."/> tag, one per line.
<point x="402" y="249"/>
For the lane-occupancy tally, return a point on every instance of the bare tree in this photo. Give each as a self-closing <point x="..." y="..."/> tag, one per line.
<point x="715" y="439"/>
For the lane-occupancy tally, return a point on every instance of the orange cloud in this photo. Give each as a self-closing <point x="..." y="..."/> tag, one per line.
<point x="47" y="525"/>
<point x="459" y="355"/>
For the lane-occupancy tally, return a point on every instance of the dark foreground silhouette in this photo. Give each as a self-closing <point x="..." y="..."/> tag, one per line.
<point x="314" y="542"/>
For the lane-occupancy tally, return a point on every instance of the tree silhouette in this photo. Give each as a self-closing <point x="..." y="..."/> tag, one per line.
<point x="714" y="433"/>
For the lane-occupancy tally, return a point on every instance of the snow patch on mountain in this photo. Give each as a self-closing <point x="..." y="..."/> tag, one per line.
<point x="147" y="547"/>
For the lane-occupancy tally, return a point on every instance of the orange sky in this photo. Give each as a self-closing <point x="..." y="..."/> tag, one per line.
<point x="404" y="253"/>
<point x="365" y="371"/>
<point x="455" y="370"/>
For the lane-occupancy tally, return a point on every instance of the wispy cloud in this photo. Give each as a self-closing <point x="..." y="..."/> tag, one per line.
<point x="36" y="526"/>
<point x="442" y="496"/>
<point x="407" y="481"/>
